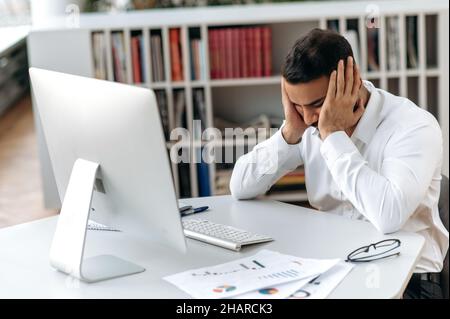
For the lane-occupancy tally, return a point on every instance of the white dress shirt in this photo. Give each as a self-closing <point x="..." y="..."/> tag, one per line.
<point x="388" y="172"/>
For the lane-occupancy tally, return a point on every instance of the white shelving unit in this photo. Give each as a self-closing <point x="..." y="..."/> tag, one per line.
<point x="241" y="99"/>
<point x="13" y="66"/>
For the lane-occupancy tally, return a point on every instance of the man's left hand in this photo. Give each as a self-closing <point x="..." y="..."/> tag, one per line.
<point x="337" y="113"/>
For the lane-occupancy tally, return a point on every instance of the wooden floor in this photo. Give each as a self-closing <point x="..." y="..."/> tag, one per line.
<point x="21" y="198"/>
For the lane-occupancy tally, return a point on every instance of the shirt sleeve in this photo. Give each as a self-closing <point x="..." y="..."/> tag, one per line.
<point x="255" y="172"/>
<point x="389" y="197"/>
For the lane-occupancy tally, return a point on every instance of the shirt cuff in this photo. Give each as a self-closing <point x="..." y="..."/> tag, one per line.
<point x="335" y="145"/>
<point x="281" y="142"/>
<point x="275" y="154"/>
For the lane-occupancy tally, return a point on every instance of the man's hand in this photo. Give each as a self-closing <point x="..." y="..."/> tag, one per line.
<point x="294" y="127"/>
<point x="337" y="113"/>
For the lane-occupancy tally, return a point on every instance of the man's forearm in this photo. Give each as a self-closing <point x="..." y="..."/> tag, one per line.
<point x="255" y="172"/>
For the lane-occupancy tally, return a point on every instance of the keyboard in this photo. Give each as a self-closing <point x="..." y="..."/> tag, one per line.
<point x="92" y="225"/>
<point x="221" y="235"/>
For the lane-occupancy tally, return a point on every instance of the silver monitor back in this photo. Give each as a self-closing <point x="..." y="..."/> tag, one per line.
<point x="117" y="126"/>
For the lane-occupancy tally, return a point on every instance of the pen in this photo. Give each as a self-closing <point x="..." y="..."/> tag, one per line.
<point x="185" y="208"/>
<point x="194" y="210"/>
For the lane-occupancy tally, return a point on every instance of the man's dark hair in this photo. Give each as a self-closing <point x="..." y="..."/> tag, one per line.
<point x="314" y="55"/>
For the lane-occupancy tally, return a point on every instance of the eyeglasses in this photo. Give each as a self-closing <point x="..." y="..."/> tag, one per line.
<point x="375" y="251"/>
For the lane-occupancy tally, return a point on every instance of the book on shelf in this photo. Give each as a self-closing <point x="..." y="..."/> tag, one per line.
<point x="250" y="50"/>
<point x="267" y="51"/>
<point x="257" y="52"/>
<point x="157" y="58"/>
<point x="99" y="53"/>
<point x="243" y="53"/>
<point x="411" y="40"/>
<point x="199" y="108"/>
<point x="372" y="49"/>
<point x="176" y="55"/>
<point x="212" y="52"/>
<point x="222" y="181"/>
<point x="393" y="43"/>
<point x="293" y="181"/>
<point x="204" y="187"/>
<point x="431" y="27"/>
<point x="197" y="60"/>
<point x="137" y="60"/>
<point x="180" y="109"/>
<point x="262" y="121"/>
<point x="184" y="179"/>
<point x="161" y="98"/>
<point x="235" y="60"/>
<point x="221" y="73"/>
<point x="228" y="53"/>
<point x="199" y="113"/>
<point x="333" y="25"/>
<point x="119" y="57"/>
<point x="240" y="52"/>
<point x="142" y="60"/>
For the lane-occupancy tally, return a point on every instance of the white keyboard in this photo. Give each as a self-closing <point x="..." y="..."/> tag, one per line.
<point x="92" y="225"/>
<point x="221" y="235"/>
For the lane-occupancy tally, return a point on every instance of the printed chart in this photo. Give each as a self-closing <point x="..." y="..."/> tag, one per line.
<point x="260" y="271"/>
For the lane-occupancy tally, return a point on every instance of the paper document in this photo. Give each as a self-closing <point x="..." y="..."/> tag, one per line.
<point x="316" y="287"/>
<point x="264" y="269"/>
<point x="277" y="291"/>
<point x="321" y="287"/>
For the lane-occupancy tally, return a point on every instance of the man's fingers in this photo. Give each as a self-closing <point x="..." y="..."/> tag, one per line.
<point x="331" y="93"/>
<point x="359" y="111"/>
<point x="340" y="79"/>
<point x="349" y="76"/>
<point x="356" y="81"/>
<point x="289" y="108"/>
<point x="284" y="95"/>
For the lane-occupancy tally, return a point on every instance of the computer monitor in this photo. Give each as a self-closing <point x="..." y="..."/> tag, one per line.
<point x="110" y="161"/>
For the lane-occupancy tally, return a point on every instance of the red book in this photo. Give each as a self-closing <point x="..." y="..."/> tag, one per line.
<point x="243" y="68"/>
<point x="236" y="62"/>
<point x="229" y="53"/>
<point x="222" y="54"/>
<point x="267" y="51"/>
<point x="212" y="53"/>
<point x="258" y="52"/>
<point x="251" y="53"/>
<point x="175" y="55"/>
<point x="217" y="47"/>
<point x="135" y="59"/>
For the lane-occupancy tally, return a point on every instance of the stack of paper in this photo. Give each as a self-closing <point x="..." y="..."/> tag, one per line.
<point x="266" y="275"/>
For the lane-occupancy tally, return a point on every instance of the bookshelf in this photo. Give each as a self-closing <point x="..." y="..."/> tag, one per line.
<point x="13" y="66"/>
<point x="177" y="56"/>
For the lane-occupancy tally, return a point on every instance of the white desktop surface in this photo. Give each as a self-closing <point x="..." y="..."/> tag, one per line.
<point x="25" y="271"/>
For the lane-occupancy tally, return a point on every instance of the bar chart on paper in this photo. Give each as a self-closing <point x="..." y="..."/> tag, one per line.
<point x="253" y="265"/>
<point x="260" y="271"/>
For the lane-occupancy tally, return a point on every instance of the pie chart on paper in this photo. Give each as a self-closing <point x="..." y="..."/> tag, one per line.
<point x="224" y="288"/>
<point x="268" y="291"/>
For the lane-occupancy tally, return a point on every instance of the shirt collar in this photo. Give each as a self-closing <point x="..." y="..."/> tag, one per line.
<point x="371" y="118"/>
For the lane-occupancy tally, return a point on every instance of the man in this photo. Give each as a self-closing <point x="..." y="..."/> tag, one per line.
<point x="367" y="154"/>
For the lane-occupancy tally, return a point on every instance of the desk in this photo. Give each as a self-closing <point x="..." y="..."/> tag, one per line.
<point x="25" y="271"/>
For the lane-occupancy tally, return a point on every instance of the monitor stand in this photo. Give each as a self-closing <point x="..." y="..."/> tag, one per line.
<point x="67" y="250"/>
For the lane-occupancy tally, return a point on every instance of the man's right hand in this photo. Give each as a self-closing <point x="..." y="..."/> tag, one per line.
<point x="294" y="126"/>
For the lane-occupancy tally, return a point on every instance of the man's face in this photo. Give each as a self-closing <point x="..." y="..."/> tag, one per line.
<point x="308" y="98"/>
